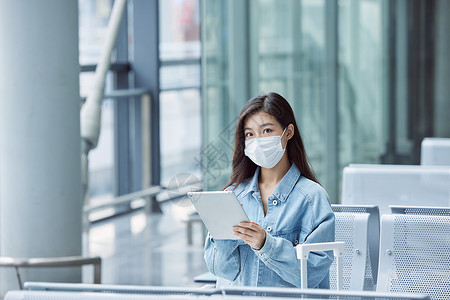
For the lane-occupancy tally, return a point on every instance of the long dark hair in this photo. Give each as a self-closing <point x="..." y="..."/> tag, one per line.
<point x="276" y="106"/>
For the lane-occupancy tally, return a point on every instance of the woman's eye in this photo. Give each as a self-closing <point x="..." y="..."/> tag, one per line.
<point x="248" y="134"/>
<point x="267" y="130"/>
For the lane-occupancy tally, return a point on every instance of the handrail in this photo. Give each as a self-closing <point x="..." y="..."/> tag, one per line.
<point x="124" y="93"/>
<point x="115" y="67"/>
<point x="149" y="192"/>
<point x="165" y="194"/>
<point x="67" y="261"/>
<point x="182" y="61"/>
<point x="125" y="66"/>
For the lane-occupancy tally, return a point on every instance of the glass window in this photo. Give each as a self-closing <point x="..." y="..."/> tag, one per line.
<point x="382" y="111"/>
<point x="180" y="76"/>
<point x="180" y="100"/>
<point x="179" y="29"/>
<point x="362" y="101"/>
<point x="286" y="41"/>
<point x="180" y="133"/>
<point x="93" y="22"/>
<point x="292" y="61"/>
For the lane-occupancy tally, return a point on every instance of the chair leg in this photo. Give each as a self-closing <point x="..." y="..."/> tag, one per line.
<point x="18" y="277"/>
<point x="189" y="233"/>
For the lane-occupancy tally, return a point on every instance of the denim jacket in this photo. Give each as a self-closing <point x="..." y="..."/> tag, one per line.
<point x="299" y="212"/>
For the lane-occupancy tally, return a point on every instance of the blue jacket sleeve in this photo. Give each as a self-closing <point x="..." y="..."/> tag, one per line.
<point x="222" y="257"/>
<point x="280" y="255"/>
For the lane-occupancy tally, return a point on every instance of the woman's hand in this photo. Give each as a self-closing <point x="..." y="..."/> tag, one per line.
<point x="251" y="233"/>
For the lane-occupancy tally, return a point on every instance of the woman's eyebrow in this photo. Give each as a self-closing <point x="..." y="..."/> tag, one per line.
<point x="262" y="125"/>
<point x="265" y="124"/>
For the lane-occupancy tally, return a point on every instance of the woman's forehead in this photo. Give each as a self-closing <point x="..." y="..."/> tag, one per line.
<point x="259" y="119"/>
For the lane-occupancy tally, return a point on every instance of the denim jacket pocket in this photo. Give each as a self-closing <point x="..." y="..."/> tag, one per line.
<point x="295" y="235"/>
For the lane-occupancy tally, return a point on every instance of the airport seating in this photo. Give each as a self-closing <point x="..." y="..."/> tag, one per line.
<point x="385" y="185"/>
<point x="358" y="227"/>
<point x="94" y="292"/>
<point x="435" y="152"/>
<point x="415" y="253"/>
<point x="282" y="293"/>
<point x="352" y="229"/>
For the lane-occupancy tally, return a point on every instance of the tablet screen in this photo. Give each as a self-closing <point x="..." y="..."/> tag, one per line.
<point x="219" y="211"/>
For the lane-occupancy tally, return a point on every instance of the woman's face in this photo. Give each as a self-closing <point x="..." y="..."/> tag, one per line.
<point x="262" y="124"/>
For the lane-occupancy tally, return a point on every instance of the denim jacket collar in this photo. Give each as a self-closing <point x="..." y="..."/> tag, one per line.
<point x="252" y="185"/>
<point x="284" y="187"/>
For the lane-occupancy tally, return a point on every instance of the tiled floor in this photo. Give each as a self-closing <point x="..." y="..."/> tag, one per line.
<point x="147" y="249"/>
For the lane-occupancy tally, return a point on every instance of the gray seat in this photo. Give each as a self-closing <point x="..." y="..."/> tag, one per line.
<point x="358" y="227"/>
<point x="352" y="229"/>
<point x="385" y="185"/>
<point x="435" y="152"/>
<point x="415" y="254"/>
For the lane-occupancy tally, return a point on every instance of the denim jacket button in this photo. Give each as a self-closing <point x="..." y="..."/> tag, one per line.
<point x="275" y="202"/>
<point x="269" y="228"/>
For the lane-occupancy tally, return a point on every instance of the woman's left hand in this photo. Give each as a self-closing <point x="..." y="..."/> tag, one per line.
<point x="251" y="233"/>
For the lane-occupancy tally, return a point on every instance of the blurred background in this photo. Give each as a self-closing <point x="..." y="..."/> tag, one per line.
<point x="367" y="79"/>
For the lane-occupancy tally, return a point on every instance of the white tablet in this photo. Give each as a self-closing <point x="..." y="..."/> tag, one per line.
<point x="219" y="211"/>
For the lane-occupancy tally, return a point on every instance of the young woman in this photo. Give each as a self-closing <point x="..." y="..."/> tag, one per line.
<point x="279" y="192"/>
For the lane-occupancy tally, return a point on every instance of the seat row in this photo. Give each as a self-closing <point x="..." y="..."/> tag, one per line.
<point x="383" y="261"/>
<point x="410" y="254"/>
<point x="408" y="251"/>
<point x="414" y="242"/>
<point x="60" y="291"/>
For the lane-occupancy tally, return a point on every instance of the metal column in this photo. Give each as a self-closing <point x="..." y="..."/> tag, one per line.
<point x="146" y="65"/>
<point x="332" y="97"/>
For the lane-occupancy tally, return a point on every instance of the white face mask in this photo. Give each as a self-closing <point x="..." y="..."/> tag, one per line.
<point x="266" y="152"/>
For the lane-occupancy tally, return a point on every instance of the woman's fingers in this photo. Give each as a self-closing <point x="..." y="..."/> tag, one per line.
<point x="251" y="233"/>
<point x="243" y="230"/>
<point x="246" y="228"/>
